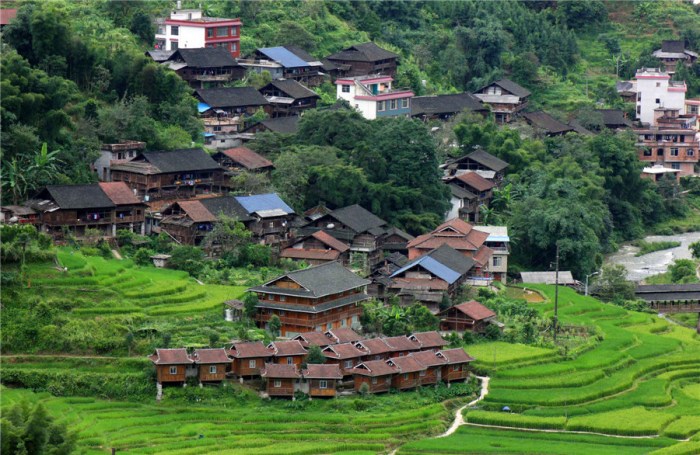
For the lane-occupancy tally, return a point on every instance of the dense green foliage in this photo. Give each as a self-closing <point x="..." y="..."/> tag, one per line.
<point x="32" y="430"/>
<point x="395" y="320"/>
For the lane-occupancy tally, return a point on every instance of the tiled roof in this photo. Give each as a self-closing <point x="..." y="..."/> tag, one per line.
<point x="365" y="52"/>
<point x="444" y="262"/>
<point x="487" y="160"/>
<point x="232" y="97"/>
<point x="196" y="211"/>
<point x="287" y="348"/>
<point x="280" y="371"/>
<point x="202" y="356"/>
<point x="283" y="56"/>
<point x="331" y="241"/>
<point x="119" y="193"/>
<point x="292" y="88"/>
<point x="428" y="358"/>
<point x="227" y="205"/>
<point x="510" y="86"/>
<point x="318" y="281"/>
<point x="374" y="346"/>
<point x="474" y="180"/>
<point x="249" y="350"/>
<point x="445" y="104"/>
<point x="313" y="338"/>
<point x="343" y="351"/>
<point x="260" y="203"/>
<point x="300" y="253"/>
<point x="406" y="364"/>
<point x="282" y="125"/>
<point x="247" y="158"/>
<point x="401" y="343"/>
<point x="171" y="357"/>
<point x="344" y="335"/>
<point x="429" y="339"/>
<point x="374" y="368"/>
<point x="6" y="15"/>
<point x="474" y="310"/>
<point x="322" y="372"/>
<point x="546" y="122"/>
<point x="204" y="57"/>
<point x="482" y="255"/>
<point x="179" y="160"/>
<point x="69" y="197"/>
<point x="357" y="218"/>
<point x="456" y="355"/>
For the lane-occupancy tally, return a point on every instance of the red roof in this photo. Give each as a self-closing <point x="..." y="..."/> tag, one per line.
<point x="280" y="371"/>
<point x="322" y="372"/>
<point x="247" y="158"/>
<point x="475" y="181"/>
<point x="331" y="241"/>
<point x="203" y="356"/>
<point x="196" y="211"/>
<point x="119" y="193"/>
<point x="6" y="15"/>
<point x="171" y="357"/>
<point x="456" y="233"/>
<point x="428" y="358"/>
<point x="401" y="343"/>
<point x="483" y="255"/>
<point x="250" y="350"/>
<point x="456" y="355"/>
<point x="287" y="348"/>
<point x="429" y="339"/>
<point x="374" y="368"/>
<point x="374" y="346"/>
<point x="343" y="335"/>
<point x="406" y="364"/>
<point x="313" y="338"/>
<point x="474" y="310"/>
<point x="342" y="351"/>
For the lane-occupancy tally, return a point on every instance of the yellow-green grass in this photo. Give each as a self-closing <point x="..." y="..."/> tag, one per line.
<point x="498" y="353"/>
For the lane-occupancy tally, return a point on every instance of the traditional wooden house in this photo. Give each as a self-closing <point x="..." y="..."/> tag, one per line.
<point x="286" y="62"/>
<point x="456" y="233"/>
<point x="282" y="379"/>
<point x="111" y="154"/>
<point x="324" y="296"/>
<point x="672" y="52"/>
<point x="346" y="355"/>
<point x="396" y="241"/>
<point x="444" y="107"/>
<point x="308" y="339"/>
<point x="289" y="97"/>
<point x="433" y="364"/>
<point x="18" y="214"/>
<point x="239" y="159"/>
<point x="470" y="191"/>
<point x="317" y="248"/>
<point x="249" y="358"/>
<point x="172" y="365"/>
<point x="409" y="372"/>
<point x="614" y="119"/>
<point x="212" y="363"/>
<point x="401" y="346"/>
<point x="428" y="341"/>
<point x="456" y="367"/>
<point x="480" y="162"/>
<point x="343" y="335"/>
<point x="377" y="374"/>
<point x="322" y="379"/>
<point x="374" y="349"/>
<point x="271" y="217"/>
<point x="205" y="67"/>
<point x="103" y="207"/>
<point x="469" y="316"/>
<point x="279" y="125"/>
<point x="287" y="352"/>
<point x="428" y="278"/>
<point x="361" y="60"/>
<point x="546" y="125"/>
<point x="505" y="97"/>
<point x="243" y="101"/>
<point x="170" y="174"/>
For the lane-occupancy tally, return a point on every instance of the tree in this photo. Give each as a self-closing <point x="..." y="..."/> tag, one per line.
<point x="129" y="341"/>
<point x="166" y="338"/>
<point x="187" y="258"/>
<point x="33" y="431"/>
<point x="213" y="338"/>
<point x="142" y="26"/>
<point x="695" y="249"/>
<point x="612" y="283"/>
<point x="246" y="182"/>
<point x="227" y="236"/>
<point x="274" y="325"/>
<point x="315" y="356"/>
<point x="682" y="271"/>
<point x="250" y="302"/>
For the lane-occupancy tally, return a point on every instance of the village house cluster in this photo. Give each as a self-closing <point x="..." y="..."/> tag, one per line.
<point x="402" y="362"/>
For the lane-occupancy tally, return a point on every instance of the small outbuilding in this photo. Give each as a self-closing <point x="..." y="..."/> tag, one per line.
<point x="469" y="316"/>
<point x="282" y="380"/>
<point x="322" y="379"/>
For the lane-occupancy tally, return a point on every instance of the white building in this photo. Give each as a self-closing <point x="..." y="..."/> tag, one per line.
<point x="655" y="90"/>
<point x="374" y="97"/>
<point x="499" y="242"/>
<point x="188" y="29"/>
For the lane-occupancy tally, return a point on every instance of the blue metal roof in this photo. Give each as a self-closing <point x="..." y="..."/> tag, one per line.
<point x="203" y="107"/>
<point x="431" y="265"/>
<point x="282" y="56"/>
<point x="262" y="202"/>
<point x="498" y="238"/>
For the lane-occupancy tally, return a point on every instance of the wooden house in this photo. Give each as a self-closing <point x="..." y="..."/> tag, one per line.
<point x="231" y="103"/>
<point x="287" y="352"/>
<point x="546" y="125"/>
<point x="282" y="379"/>
<point x="18" y="214"/>
<point x="469" y="192"/>
<point x="374" y="349"/>
<point x="345" y="355"/>
<point x="396" y="241"/>
<point x="212" y="363"/>
<point x="614" y="119"/>
<point x="401" y="346"/>
<point x="279" y="125"/>
<point x="111" y="154"/>
<point x="433" y="363"/>
<point x="170" y="174"/>
<point x="271" y="217"/>
<point x="321" y="297"/>
<point x="456" y="367"/>
<point x="479" y="161"/>
<point x="288" y="97"/>
<point x="205" y="67"/>
<point x="239" y="159"/>
<point x="428" y="341"/>
<point x="172" y="365"/>
<point x="322" y="379"/>
<point x="469" y="316"/>
<point x="343" y="335"/>
<point x="129" y="212"/>
<point x="444" y="107"/>
<point x="249" y="358"/>
<point x="362" y="60"/>
<point x="286" y="62"/>
<point x="377" y="374"/>
<point x="428" y="278"/>
<point x="505" y="97"/>
<point x="409" y="372"/>
<point x="316" y="249"/>
<point x="308" y="339"/>
<point x="672" y="52"/>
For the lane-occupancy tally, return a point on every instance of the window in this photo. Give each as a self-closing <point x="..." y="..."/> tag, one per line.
<point x="348" y="364"/>
<point x="173" y="370"/>
<point x="221" y="31"/>
<point x="659" y="152"/>
<point x="647" y="152"/>
<point x="234" y="47"/>
<point x="404" y="103"/>
<point x="174" y="30"/>
<point x="381" y="106"/>
<point x="676" y="166"/>
<point x="343" y="323"/>
<point x="346" y="88"/>
<point x="422" y="372"/>
<point x="210" y="32"/>
<point x="173" y="46"/>
<point x="455" y="368"/>
<point x="322" y="384"/>
<point x="329" y="326"/>
<point x="690" y="152"/>
<point x="234" y="31"/>
<point x="251" y="363"/>
<point x="497" y="261"/>
<point x="290" y="360"/>
<point x="283" y="298"/>
<point x="658" y="101"/>
<point x="212" y="369"/>
<point x="674" y="151"/>
<point x="639" y="109"/>
<point x="658" y="84"/>
<point x="405" y="376"/>
<point x="393" y="105"/>
<point x="374" y="380"/>
<point x="278" y="383"/>
<point x="217" y="129"/>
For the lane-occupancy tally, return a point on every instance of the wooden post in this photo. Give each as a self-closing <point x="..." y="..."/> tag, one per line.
<point x="698" y="330"/>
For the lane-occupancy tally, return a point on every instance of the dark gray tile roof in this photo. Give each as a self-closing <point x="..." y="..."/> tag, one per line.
<point x="357" y="218"/>
<point x="204" y="57"/>
<point x="460" y="193"/>
<point x="512" y="87"/>
<point x="486" y="159"/>
<point x="445" y="104"/>
<point x="624" y="86"/>
<point x="282" y="125"/>
<point x="546" y="122"/>
<point x="228" y="205"/>
<point x="614" y="118"/>
<point x="673" y="46"/>
<point x="182" y="160"/>
<point x="77" y="196"/>
<point x="159" y="55"/>
<point x="232" y="97"/>
<point x="448" y="256"/>
<point x="292" y="88"/>
<point x="320" y="280"/>
<point x="365" y="52"/>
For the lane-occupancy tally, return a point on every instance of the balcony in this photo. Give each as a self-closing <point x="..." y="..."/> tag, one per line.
<point x="212" y="77"/>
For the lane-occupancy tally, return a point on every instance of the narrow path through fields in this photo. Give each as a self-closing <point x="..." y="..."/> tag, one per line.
<point x="459" y="418"/>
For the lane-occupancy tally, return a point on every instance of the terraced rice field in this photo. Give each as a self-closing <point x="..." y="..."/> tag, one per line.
<point x="640" y="382"/>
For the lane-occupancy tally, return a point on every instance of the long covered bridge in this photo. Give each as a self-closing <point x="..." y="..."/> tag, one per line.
<point x="671" y="298"/>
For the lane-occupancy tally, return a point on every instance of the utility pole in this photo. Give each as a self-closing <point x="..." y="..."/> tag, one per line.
<point x="556" y="294"/>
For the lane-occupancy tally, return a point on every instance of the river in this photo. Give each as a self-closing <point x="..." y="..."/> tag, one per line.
<point x="638" y="268"/>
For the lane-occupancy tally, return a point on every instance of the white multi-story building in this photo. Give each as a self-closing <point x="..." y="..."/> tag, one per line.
<point x="499" y="242"/>
<point x="188" y="29"/>
<point x="374" y="97"/>
<point x="656" y="90"/>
